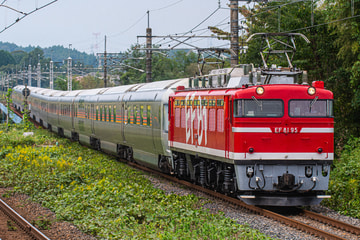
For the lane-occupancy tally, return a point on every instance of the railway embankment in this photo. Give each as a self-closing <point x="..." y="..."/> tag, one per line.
<point x="101" y="196"/>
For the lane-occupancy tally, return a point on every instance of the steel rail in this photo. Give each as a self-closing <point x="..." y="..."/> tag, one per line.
<point x="258" y="210"/>
<point x="332" y="222"/>
<point x="22" y="222"/>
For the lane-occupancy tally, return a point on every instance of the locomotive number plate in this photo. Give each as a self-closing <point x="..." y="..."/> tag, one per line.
<point x="286" y="130"/>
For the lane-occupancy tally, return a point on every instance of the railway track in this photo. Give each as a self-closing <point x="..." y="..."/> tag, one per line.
<point x="343" y="230"/>
<point x="347" y="231"/>
<point x="28" y="228"/>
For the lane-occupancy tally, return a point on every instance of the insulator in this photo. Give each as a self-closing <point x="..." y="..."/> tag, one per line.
<point x="202" y="179"/>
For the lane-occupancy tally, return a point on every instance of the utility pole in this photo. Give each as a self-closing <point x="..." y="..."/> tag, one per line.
<point x="51" y="75"/>
<point x="234" y="25"/>
<point x="69" y="74"/>
<point x="105" y="65"/>
<point x="38" y="75"/>
<point x="149" y="51"/>
<point x="29" y="75"/>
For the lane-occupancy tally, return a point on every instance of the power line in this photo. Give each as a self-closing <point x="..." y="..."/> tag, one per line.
<point x="322" y="24"/>
<point x="168" y="6"/>
<point x="27" y="14"/>
<point x="141" y="18"/>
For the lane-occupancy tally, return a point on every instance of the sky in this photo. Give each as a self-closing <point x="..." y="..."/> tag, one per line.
<point x="83" y="24"/>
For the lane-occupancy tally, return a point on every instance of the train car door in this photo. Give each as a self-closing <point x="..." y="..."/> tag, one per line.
<point x="123" y="120"/>
<point x="227" y="123"/>
<point x="171" y="121"/>
<point x="72" y="114"/>
<point x="58" y="113"/>
<point x="92" y="117"/>
<point x="156" y="119"/>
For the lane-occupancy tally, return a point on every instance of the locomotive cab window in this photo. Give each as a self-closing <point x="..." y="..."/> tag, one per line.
<point x="311" y="108"/>
<point x="258" y="108"/>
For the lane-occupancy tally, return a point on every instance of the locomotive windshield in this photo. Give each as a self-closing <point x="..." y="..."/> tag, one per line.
<point x="311" y="108"/>
<point x="258" y="108"/>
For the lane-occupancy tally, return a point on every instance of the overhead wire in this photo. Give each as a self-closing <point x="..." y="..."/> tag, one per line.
<point x="27" y="14"/>
<point x="143" y="16"/>
<point x="192" y="29"/>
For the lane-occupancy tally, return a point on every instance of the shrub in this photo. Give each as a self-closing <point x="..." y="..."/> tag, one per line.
<point x="345" y="181"/>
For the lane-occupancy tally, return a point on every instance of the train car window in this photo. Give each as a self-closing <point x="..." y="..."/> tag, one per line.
<point x="114" y="113"/>
<point x="97" y="113"/>
<point x="220" y="120"/>
<point x="131" y="115"/>
<point x="101" y="113"/>
<point x="136" y="115"/>
<point x="105" y="113"/>
<point x="165" y="118"/>
<point x="311" y="108"/>
<point x="212" y="119"/>
<point x="142" y="122"/>
<point x="110" y="114"/>
<point x="149" y="121"/>
<point x="258" y="108"/>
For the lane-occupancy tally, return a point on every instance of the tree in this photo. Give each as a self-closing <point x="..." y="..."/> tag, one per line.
<point x="6" y="58"/>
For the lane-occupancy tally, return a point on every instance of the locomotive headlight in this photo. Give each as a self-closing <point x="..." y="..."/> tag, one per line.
<point x="260" y="90"/>
<point x="311" y="90"/>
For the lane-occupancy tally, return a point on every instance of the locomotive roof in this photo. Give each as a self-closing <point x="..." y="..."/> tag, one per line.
<point x="278" y="88"/>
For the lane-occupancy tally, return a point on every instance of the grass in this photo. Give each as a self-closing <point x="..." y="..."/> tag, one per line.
<point x="101" y="196"/>
<point x="344" y="184"/>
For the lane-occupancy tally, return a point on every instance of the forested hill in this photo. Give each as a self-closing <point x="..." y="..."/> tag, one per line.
<point x="56" y="53"/>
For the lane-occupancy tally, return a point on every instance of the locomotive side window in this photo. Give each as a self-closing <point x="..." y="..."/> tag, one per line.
<point x="258" y="108"/>
<point x="311" y="108"/>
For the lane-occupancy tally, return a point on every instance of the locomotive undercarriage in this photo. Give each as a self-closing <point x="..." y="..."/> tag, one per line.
<point x="208" y="173"/>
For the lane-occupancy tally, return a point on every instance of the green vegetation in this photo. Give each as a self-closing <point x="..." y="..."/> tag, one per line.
<point x="345" y="181"/>
<point x="332" y="56"/>
<point x="103" y="197"/>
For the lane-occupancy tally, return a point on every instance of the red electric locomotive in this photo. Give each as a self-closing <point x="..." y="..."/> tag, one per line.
<point x="269" y="143"/>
